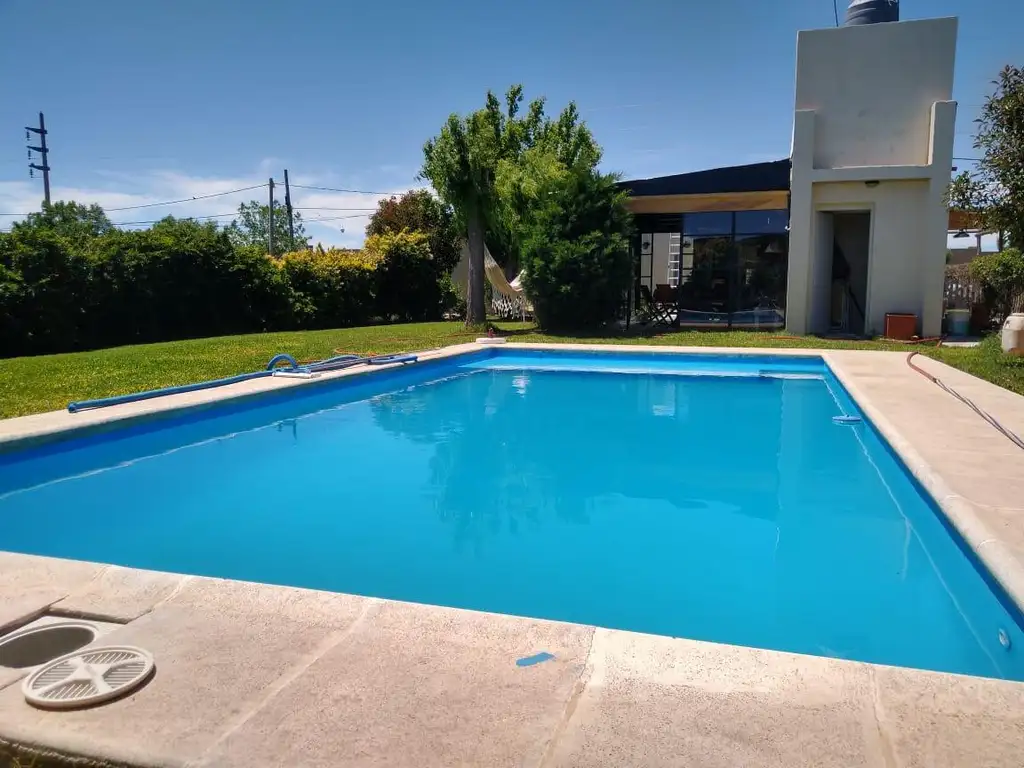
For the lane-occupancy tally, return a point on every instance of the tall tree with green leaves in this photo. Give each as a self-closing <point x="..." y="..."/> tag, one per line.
<point x="460" y="162"/>
<point x="75" y="221"/>
<point x="994" y="191"/>
<point x="465" y="160"/>
<point x="252" y="227"/>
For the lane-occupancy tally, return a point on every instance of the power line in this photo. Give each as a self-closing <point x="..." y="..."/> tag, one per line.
<point x="184" y="218"/>
<point x="186" y="199"/>
<point x="351" y="192"/>
<point x="157" y="205"/>
<point x="297" y="208"/>
<point x="321" y="208"/>
<point x="331" y="218"/>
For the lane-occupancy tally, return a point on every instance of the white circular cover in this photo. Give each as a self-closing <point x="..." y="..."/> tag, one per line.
<point x="87" y="677"/>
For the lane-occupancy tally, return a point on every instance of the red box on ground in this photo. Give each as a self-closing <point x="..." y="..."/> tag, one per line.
<point x="900" y="326"/>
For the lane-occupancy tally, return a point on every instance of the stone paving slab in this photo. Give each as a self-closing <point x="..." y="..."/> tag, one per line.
<point x="421" y="686"/>
<point x="221" y="649"/>
<point x="949" y="721"/>
<point x="658" y="701"/>
<point x="30" y="585"/>
<point x="120" y="594"/>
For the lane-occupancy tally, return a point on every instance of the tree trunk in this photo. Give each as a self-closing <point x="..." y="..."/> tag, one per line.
<point x="476" y="313"/>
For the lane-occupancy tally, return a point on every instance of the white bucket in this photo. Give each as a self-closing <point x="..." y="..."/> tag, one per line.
<point x="1013" y="334"/>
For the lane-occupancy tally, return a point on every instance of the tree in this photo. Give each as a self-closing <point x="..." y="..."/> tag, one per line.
<point x="420" y="211"/>
<point x="460" y="163"/>
<point x="253" y="224"/>
<point x="1002" y="279"/>
<point x="463" y="161"/>
<point x="71" y="220"/>
<point x="576" y="262"/>
<point x="994" y="192"/>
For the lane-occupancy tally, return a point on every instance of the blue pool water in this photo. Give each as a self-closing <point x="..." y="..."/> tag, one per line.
<point x="717" y="507"/>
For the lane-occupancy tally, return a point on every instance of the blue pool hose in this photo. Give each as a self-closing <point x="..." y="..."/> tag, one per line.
<point x="330" y="364"/>
<point x="103" y="402"/>
<point x="282" y="358"/>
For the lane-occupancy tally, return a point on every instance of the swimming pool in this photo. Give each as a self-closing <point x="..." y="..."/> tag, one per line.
<point x="700" y="496"/>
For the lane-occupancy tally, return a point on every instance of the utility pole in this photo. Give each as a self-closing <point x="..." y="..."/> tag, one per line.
<point x="270" y="230"/>
<point x="42" y="150"/>
<point x="288" y="205"/>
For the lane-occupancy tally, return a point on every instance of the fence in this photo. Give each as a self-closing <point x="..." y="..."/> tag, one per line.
<point x="960" y="291"/>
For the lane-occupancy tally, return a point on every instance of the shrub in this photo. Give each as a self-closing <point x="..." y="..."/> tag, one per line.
<point x="45" y="291"/>
<point x="69" y="280"/>
<point x="330" y="288"/>
<point x="575" y="249"/>
<point x="409" y="282"/>
<point x="1002" y="279"/>
<point x="181" y="279"/>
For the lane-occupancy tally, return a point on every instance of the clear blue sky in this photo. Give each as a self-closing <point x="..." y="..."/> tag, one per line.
<point x="149" y="101"/>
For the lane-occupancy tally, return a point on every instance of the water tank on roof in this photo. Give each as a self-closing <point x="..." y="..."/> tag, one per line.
<point x="871" y="12"/>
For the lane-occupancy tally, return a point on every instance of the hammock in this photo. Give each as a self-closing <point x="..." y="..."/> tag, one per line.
<point x="508" y="300"/>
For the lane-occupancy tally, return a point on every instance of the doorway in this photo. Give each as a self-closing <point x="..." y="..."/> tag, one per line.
<point x="851" y="247"/>
<point x="841" y="252"/>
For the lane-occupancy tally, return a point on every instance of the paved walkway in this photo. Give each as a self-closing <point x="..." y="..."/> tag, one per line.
<point x="252" y="675"/>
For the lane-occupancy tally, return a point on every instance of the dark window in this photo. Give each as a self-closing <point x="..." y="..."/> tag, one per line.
<point x="658" y="222"/>
<point x="715" y="275"/>
<point x="761" y="222"/>
<point x="708" y="223"/>
<point x="761" y="282"/>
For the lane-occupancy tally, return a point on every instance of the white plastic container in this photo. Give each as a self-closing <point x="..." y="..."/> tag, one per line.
<point x="959" y="321"/>
<point x="1013" y="334"/>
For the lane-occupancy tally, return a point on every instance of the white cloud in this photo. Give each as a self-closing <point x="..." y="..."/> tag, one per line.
<point x="121" y="190"/>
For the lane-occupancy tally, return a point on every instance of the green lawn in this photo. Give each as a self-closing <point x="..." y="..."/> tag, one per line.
<point x="35" y="384"/>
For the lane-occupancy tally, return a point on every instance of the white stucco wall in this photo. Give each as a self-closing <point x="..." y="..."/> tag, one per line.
<point x="872" y="88"/>
<point x="897" y="256"/>
<point x="873" y="131"/>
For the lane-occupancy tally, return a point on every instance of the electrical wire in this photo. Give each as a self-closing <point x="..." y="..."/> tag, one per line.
<point x="315" y="208"/>
<point x="157" y="205"/>
<point x="183" y="218"/>
<point x="333" y="218"/>
<point x="185" y="199"/>
<point x="350" y="191"/>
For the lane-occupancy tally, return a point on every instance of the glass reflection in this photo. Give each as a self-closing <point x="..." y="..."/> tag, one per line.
<point x="726" y="269"/>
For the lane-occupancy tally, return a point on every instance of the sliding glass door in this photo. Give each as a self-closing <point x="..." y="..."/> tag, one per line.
<point x="714" y="269"/>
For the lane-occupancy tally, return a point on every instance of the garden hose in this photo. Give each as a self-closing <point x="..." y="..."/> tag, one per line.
<point x="1011" y="436"/>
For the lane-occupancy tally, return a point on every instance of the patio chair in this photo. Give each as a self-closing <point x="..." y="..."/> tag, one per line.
<point x="652" y="311"/>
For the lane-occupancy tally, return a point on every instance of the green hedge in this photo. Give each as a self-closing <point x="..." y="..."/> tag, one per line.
<point x="330" y="289"/>
<point x="182" y="279"/>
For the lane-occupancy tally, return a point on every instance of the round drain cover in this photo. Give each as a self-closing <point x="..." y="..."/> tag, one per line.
<point x="84" y="678"/>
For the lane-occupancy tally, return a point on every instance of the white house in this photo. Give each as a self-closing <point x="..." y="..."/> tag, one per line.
<point x="851" y="228"/>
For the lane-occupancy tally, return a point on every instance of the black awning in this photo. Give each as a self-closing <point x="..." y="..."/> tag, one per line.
<point x="756" y="177"/>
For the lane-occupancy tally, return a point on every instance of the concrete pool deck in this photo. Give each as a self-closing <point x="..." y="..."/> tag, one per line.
<point x="250" y="674"/>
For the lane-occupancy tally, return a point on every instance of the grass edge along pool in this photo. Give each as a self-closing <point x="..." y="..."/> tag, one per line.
<point x="737" y="374"/>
